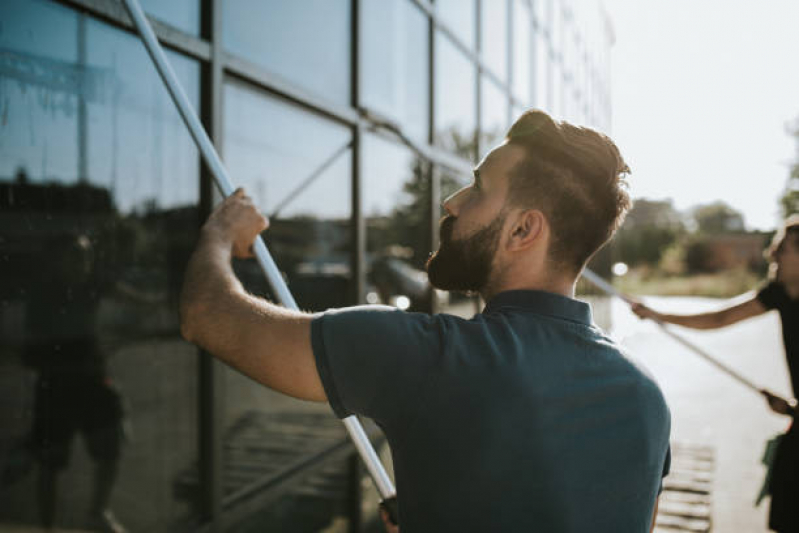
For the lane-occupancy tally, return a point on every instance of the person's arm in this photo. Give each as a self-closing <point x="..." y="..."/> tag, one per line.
<point x="266" y="342"/>
<point x="712" y="320"/>
<point x="654" y="515"/>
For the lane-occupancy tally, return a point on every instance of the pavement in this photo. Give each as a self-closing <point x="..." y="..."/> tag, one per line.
<point x="709" y="409"/>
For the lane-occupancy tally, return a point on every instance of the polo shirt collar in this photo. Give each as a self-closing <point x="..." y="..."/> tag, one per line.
<point x="545" y="303"/>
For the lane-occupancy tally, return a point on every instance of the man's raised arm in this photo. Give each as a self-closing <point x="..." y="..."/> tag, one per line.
<point x="268" y="343"/>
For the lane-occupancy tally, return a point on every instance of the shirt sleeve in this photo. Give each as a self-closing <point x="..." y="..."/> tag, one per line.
<point x="666" y="468"/>
<point x="370" y="359"/>
<point x="772" y="295"/>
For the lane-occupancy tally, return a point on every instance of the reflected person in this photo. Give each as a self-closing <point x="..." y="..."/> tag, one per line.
<point x="526" y="417"/>
<point x="781" y="293"/>
<point x="73" y="391"/>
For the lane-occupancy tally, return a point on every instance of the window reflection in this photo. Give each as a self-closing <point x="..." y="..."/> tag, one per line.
<point x="494" y="36"/>
<point x="541" y="66"/>
<point x="455" y="99"/>
<point x="395" y="62"/>
<point x="297" y="168"/>
<point x="304" y="41"/>
<point x="494" y="115"/>
<point x="459" y="16"/>
<point x="396" y="207"/>
<point x="182" y="14"/>
<point x="521" y="50"/>
<point x="98" y="210"/>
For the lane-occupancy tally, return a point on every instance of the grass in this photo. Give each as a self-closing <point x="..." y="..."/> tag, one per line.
<point x="717" y="285"/>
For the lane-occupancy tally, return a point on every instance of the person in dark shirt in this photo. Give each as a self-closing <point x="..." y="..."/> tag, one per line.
<point x="525" y="417"/>
<point x="781" y="293"/>
<point x="74" y="393"/>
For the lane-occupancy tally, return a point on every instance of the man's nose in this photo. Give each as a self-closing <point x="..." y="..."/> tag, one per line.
<point x="452" y="202"/>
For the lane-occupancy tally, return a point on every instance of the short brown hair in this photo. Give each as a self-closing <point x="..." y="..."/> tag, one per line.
<point x="576" y="177"/>
<point x="789" y="227"/>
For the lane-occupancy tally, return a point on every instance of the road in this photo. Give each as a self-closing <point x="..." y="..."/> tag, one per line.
<point x="710" y="408"/>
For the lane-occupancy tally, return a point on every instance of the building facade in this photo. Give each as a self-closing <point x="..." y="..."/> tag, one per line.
<point x="348" y="121"/>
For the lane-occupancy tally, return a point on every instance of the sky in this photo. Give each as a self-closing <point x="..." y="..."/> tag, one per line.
<point x="703" y="92"/>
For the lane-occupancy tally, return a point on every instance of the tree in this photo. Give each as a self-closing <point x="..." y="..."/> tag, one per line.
<point x="718" y="217"/>
<point x="651" y="226"/>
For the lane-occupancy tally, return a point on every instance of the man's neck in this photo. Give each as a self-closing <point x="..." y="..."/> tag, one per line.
<point x="561" y="286"/>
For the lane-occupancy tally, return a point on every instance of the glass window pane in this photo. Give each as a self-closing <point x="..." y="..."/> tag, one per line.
<point x="455" y="99"/>
<point x="297" y="167"/>
<point x="459" y="16"/>
<point x="182" y="14"/>
<point x="541" y="8"/>
<point x="494" y="115"/>
<point x="541" y="72"/>
<point x="99" y="212"/>
<point x="397" y="210"/>
<point x="307" y="42"/>
<point x="494" y="36"/>
<point x="521" y="50"/>
<point x="395" y="61"/>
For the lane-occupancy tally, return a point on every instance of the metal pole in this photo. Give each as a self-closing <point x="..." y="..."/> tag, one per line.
<point x="609" y="289"/>
<point x="267" y="264"/>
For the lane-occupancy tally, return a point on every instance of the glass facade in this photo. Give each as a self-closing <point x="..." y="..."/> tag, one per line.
<point x="99" y="211"/>
<point x="102" y="195"/>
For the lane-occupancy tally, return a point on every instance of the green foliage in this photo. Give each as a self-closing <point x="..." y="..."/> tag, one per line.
<point x="718" y="217"/>
<point x="651" y="227"/>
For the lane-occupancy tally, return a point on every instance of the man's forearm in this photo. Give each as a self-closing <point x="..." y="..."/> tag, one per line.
<point x="208" y="281"/>
<point x="267" y="342"/>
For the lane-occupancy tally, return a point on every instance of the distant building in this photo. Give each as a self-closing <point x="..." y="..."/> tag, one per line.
<point x="294" y="93"/>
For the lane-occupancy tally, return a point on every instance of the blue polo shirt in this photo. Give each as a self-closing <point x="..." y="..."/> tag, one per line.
<point x="524" y="418"/>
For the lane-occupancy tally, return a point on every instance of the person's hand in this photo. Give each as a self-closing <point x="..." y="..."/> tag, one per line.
<point x="777" y="404"/>
<point x="643" y="311"/>
<point x="236" y="222"/>
<point x="390" y="528"/>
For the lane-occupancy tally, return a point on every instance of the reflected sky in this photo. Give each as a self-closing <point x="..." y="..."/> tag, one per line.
<point x="395" y="62"/>
<point x="494" y="36"/>
<point x="131" y="139"/>
<point x="494" y="115"/>
<point x="521" y="50"/>
<point x="460" y="16"/>
<point x="272" y="147"/>
<point x="182" y="14"/>
<point x="304" y="41"/>
<point x="541" y="65"/>
<point x="386" y="168"/>
<point x="454" y="91"/>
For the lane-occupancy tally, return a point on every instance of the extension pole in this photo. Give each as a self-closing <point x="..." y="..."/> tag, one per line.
<point x="610" y="290"/>
<point x="267" y="264"/>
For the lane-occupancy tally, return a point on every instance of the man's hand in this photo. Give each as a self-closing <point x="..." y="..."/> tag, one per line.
<point x="643" y="311"/>
<point x="390" y="528"/>
<point x="777" y="404"/>
<point x="236" y="222"/>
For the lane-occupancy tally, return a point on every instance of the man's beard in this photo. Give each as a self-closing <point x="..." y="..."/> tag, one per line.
<point x="464" y="265"/>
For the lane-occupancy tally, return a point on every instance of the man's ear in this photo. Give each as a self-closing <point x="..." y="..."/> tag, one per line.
<point x="527" y="230"/>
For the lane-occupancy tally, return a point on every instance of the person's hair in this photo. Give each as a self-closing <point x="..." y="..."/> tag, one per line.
<point x="576" y="177"/>
<point x="789" y="228"/>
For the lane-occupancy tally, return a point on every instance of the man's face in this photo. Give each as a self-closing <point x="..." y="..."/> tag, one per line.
<point x="787" y="258"/>
<point x="471" y="232"/>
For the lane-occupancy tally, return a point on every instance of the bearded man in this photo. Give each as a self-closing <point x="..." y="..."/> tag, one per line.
<point x="525" y="417"/>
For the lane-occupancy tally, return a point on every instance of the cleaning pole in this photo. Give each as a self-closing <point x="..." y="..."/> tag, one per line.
<point x="611" y="291"/>
<point x="383" y="483"/>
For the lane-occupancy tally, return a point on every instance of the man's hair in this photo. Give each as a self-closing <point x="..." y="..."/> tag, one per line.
<point x="790" y="228"/>
<point x="576" y="177"/>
